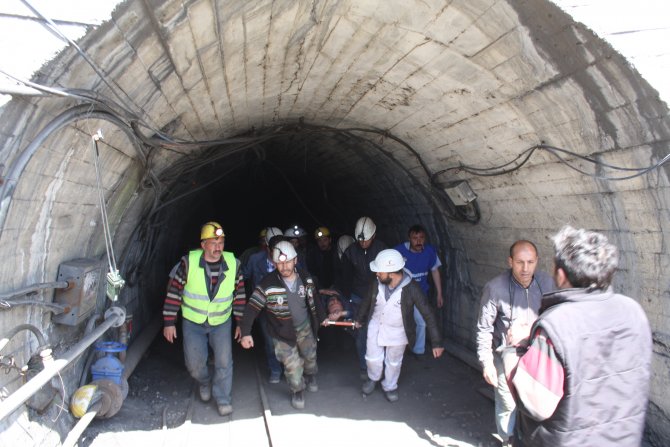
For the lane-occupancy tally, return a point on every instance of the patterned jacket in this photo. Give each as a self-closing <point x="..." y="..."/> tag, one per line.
<point x="271" y="295"/>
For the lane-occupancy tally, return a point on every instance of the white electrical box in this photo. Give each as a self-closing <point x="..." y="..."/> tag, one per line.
<point x="460" y="193"/>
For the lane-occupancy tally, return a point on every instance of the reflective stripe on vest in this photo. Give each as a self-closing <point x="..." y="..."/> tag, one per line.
<point x="196" y="305"/>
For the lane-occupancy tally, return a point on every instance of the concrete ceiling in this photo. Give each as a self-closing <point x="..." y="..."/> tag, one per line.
<point x="343" y="108"/>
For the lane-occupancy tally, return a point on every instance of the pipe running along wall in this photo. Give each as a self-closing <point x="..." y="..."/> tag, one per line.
<point x="115" y="317"/>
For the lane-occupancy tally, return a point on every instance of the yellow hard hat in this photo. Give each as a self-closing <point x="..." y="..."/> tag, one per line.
<point x="321" y="232"/>
<point x="211" y="230"/>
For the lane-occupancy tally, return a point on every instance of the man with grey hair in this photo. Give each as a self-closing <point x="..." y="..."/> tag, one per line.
<point x="583" y="378"/>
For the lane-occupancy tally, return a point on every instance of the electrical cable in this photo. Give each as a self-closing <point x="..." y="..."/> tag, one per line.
<point x="109" y="246"/>
<point x="555" y="151"/>
<point x="202" y="186"/>
<point x="41" y="339"/>
<point x="73" y="114"/>
<point x="220" y="149"/>
<point x="33" y="288"/>
<point x="54" y="308"/>
<point x="55" y="30"/>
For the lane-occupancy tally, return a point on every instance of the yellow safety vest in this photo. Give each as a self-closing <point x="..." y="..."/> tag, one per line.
<point x="196" y="305"/>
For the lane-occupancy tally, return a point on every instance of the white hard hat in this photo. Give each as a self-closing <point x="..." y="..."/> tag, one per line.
<point x="283" y="251"/>
<point x="388" y="261"/>
<point x="365" y="229"/>
<point x="294" y="232"/>
<point x="343" y="243"/>
<point x="271" y="232"/>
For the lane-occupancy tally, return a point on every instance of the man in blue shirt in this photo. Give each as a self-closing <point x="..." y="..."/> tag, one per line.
<point x="421" y="259"/>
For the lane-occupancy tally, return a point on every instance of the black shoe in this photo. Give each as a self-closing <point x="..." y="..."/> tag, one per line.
<point x="310" y="381"/>
<point x="391" y="396"/>
<point x="298" y="400"/>
<point x="368" y="387"/>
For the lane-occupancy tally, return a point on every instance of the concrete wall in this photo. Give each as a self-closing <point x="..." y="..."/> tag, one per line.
<point x="471" y="82"/>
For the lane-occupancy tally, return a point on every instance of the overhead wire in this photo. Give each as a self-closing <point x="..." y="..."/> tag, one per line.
<point x="522" y="158"/>
<point x="162" y="140"/>
<point x="55" y="30"/>
<point x="210" y="151"/>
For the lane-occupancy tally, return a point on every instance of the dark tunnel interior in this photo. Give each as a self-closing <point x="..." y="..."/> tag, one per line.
<point x="311" y="177"/>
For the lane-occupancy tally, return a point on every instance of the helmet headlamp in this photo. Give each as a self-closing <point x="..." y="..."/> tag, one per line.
<point x="211" y="230"/>
<point x="283" y="251"/>
<point x="365" y="229"/>
<point x="321" y="232"/>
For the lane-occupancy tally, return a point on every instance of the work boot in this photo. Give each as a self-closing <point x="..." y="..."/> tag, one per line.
<point x="274" y="377"/>
<point x="369" y="386"/>
<point x="310" y="381"/>
<point x="225" y="410"/>
<point x="298" y="400"/>
<point x="392" y="395"/>
<point x="205" y="392"/>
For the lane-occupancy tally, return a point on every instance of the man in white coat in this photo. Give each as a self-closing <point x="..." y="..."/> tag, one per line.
<point x="388" y="309"/>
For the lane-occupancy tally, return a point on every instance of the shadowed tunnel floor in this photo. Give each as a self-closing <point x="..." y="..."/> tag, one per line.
<point x="439" y="405"/>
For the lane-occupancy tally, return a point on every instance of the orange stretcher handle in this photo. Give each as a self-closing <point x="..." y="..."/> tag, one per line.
<point x="340" y="323"/>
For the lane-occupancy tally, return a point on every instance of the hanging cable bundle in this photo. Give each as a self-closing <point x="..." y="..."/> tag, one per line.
<point x="114" y="280"/>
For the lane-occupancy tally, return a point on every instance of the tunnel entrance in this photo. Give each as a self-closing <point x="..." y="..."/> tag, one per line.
<point x="306" y="175"/>
<point x="300" y="174"/>
<point x="468" y="83"/>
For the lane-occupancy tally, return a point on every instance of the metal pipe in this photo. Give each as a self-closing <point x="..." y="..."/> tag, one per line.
<point x="80" y="426"/>
<point x="134" y="355"/>
<point x="23" y="327"/>
<point x="20" y="90"/>
<point x="114" y="317"/>
<point x="34" y="288"/>
<point x="140" y="345"/>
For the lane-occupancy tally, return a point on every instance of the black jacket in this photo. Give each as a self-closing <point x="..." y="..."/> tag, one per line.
<point x="356" y="274"/>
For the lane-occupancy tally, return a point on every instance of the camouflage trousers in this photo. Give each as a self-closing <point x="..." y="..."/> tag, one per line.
<point x="299" y="358"/>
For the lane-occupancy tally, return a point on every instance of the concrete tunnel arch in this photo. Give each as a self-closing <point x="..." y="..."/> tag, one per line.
<point x="471" y="83"/>
<point x="288" y="175"/>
